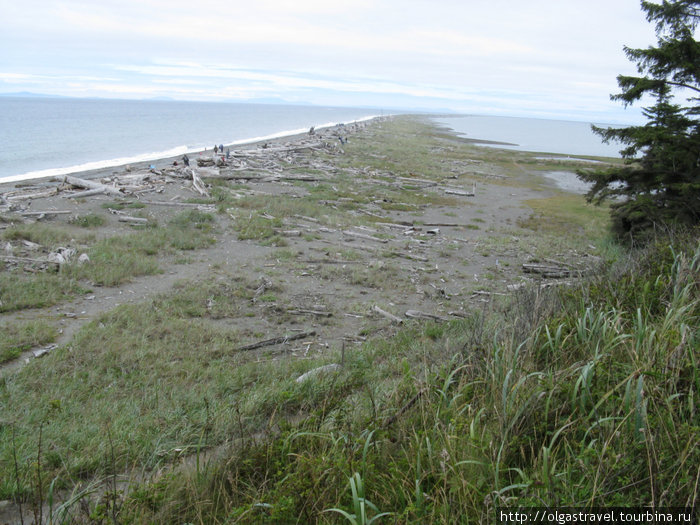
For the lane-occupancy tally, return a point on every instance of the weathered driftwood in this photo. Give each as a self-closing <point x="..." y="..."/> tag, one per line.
<point x="462" y="193"/>
<point x="363" y="236"/>
<point x="89" y="184"/>
<point x="133" y="220"/>
<point x="35" y="195"/>
<point x="417" y="314"/>
<point x="264" y="285"/>
<point x="280" y="149"/>
<point x="386" y="314"/>
<point x="198" y="185"/>
<point x="302" y="311"/>
<point x="330" y="261"/>
<point x="549" y="271"/>
<point x="304" y="217"/>
<point x="183" y="204"/>
<point x="12" y="258"/>
<point x="315" y="371"/>
<point x="276" y="341"/>
<point x="45" y="212"/>
<point x="86" y="193"/>
<point x="404" y="408"/>
<point x="423" y="182"/>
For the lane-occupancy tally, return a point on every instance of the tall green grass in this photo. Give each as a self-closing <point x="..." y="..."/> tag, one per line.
<point x="595" y="406"/>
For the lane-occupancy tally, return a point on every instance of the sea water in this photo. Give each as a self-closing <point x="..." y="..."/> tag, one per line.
<point x="56" y="136"/>
<point x="562" y="137"/>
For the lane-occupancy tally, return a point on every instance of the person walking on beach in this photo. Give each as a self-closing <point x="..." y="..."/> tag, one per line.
<point x="186" y="160"/>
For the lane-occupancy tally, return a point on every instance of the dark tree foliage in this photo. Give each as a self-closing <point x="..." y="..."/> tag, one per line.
<point x="659" y="183"/>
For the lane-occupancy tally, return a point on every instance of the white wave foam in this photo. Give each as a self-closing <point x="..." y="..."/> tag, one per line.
<point x="173" y="152"/>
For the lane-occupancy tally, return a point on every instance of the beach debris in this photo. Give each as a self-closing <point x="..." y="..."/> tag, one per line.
<point x="550" y="271"/>
<point x="29" y="194"/>
<point x="61" y="255"/>
<point x="363" y="236"/>
<point x="89" y="184"/>
<point x="276" y="341"/>
<point x="384" y="313"/>
<point x="41" y="352"/>
<point x="417" y="314"/>
<point x="133" y="220"/>
<point x="265" y="284"/>
<point x="316" y="371"/>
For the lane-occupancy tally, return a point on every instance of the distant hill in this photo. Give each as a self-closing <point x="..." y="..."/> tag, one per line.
<point x="29" y="94"/>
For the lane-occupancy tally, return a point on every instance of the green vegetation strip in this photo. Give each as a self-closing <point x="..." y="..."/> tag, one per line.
<point x="586" y="397"/>
<point x="24" y="335"/>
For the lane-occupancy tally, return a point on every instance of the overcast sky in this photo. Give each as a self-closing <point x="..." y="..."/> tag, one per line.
<point x="542" y="58"/>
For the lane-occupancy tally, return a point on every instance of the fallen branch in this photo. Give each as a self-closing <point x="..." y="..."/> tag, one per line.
<point x="319" y="313"/>
<point x="547" y="270"/>
<point x="86" y="193"/>
<point x="12" y="258"/>
<point x="363" y="236"/>
<point x="403" y="409"/>
<point x="315" y="371"/>
<point x="36" y="195"/>
<point x="461" y="193"/>
<point x="198" y="185"/>
<point x="275" y="341"/>
<point x="386" y="314"/>
<point x="417" y="314"/>
<point x="46" y="212"/>
<point x="133" y="220"/>
<point x="185" y="204"/>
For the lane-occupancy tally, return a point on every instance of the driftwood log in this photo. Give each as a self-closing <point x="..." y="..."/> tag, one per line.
<point x="386" y="314"/>
<point x="89" y="184"/>
<point x="275" y="341"/>
<point x="417" y="314"/>
<point x="549" y="270"/>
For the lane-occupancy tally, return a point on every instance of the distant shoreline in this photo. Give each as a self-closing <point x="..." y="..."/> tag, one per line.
<point x="162" y="159"/>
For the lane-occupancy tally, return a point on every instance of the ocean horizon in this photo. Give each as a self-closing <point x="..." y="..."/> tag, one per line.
<point x="45" y="136"/>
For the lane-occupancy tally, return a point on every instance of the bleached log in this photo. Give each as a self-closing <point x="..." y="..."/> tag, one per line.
<point x="315" y="371"/>
<point x="304" y="217"/>
<point x="318" y="313"/>
<point x="12" y="258"/>
<point x="275" y="341"/>
<point x="89" y="184"/>
<point x="461" y="193"/>
<point x="45" y="212"/>
<point x="198" y="185"/>
<point x="133" y="220"/>
<point x="386" y="314"/>
<point x="281" y="149"/>
<point x="36" y="195"/>
<point x="208" y="207"/>
<point x="363" y="236"/>
<point x="547" y="270"/>
<point x="417" y="314"/>
<point x="86" y="193"/>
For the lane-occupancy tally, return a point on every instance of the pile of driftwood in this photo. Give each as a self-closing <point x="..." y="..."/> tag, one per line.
<point x="32" y="257"/>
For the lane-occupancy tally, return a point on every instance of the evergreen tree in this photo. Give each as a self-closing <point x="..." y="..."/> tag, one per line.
<point x="659" y="184"/>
